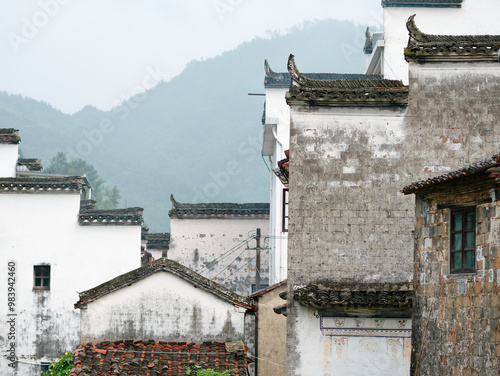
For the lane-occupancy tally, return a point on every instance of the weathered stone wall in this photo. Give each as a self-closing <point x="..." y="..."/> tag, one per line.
<point x="217" y="249"/>
<point x="452" y="117"/>
<point x="348" y="221"/>
<point x="462" y="311"/>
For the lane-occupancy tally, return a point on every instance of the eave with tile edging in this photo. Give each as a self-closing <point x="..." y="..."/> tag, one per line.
<point x="218" y="210"/>
<point x="449" y="48"/>
<point x="163" y="265"/>
<point x="69" y="184"/>
<point x="127" y="216"/>
<point x="345" y="92"/>
<point x="324" y="295"/>
<point x="9" y="136"/>
<point x="283" y="79"/>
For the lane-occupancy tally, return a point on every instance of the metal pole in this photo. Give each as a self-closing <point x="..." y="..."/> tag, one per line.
<point x="257" y="262"/>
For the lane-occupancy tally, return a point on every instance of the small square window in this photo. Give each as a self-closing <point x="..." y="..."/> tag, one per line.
<point x="463" y="240"/>
<point x="41" y="277"/>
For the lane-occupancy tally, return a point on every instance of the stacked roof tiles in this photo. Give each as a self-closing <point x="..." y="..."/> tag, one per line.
<point x="283" y="79"/>
<point x="344" y="92"/>
<point x="181" y="210"/>
<point x="162" y="358"/>
<point x="474" y="168"/>
<point x="428" y="47"/>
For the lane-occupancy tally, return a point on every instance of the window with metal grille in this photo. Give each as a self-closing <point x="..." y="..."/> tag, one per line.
<point x="41" y="277"/>
<point x="285" y="210"/>
<point x="463" y="240"/>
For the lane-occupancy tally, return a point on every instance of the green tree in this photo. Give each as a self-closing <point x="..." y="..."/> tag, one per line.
<point x="106" y="197"/>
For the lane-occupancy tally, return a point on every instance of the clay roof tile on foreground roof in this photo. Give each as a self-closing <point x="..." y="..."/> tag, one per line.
<point x="344" y="92"/>
<point x="131" y="358"/>
<point x="217" y="210"/>
<point x="426" y="47"/>
<point x="162" y="265"/>
<point x="466" y="171"/>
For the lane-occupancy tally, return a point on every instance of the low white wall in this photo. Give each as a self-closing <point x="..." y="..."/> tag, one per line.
<point x="162" y="307"/>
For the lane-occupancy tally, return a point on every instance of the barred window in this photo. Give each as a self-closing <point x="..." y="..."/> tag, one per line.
<point x="463" y="240"/>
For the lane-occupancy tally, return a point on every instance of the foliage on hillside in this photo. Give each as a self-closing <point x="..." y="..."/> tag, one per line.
<point x="106" y="197"/>
<point x="197" y="136"/>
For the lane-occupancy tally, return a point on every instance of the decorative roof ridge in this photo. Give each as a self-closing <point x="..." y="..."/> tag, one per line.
<point x="268" y="289"/>
<point x="217" y="209"/>
<point x="30" y="164"/>
<point x="123" y="216"/>
<point x="283" y="79"/>
<point x="301" y="81"/>
<point x="378" y="92"/>
<point x="468" y="170"/>
<point x="9" y="136"/>
<point x="428" y="47"/>
<point x="162" y="265"/>
<point x="43" y="183"/>
<point x="329" y="294"/>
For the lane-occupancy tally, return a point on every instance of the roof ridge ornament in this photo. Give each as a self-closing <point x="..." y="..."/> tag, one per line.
<point x="368" y="47"/>
<point x="424" y="47"/>
<point x="414" y="31"/>
<point x="297" y="78"/>
<point x="269" y="71"/>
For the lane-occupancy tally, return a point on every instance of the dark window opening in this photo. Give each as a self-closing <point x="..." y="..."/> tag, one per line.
<point x="41" y="277"/>
<point x="286" y="197"/>
<point x="463" y="240"/>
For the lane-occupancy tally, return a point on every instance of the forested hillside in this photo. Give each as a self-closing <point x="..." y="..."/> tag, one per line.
<point x="197" y="136"/>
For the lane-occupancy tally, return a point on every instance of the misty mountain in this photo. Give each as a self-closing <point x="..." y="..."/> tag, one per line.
<point x="197" y="136"/>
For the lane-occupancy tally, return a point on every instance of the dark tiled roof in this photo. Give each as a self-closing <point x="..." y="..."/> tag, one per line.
<point x="128" y="216"/>
<point x="158" y="240"/>
<point x="259" y="293"/>
<point x="87" y="205"/>
<point x="162" y="265"/>
<point x="282" y="80"/>
<point x="42" y="184"/>
<point x="127" y="358"/>
<point x="31" y="164"/>
<point x="423" y="3"/>
<point x="217" y="210"/>
<point x="427" y="47"/>
<point x="9" y="136"/>
<point x="358" y="92"/>
<point x="474" y="168"/>
<point x="326" y="294"/>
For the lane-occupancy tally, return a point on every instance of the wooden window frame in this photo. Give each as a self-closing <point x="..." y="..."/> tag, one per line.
<point x="463" y="231"/>
<point x="42" y="277"/>
<point x="285" y="210"/>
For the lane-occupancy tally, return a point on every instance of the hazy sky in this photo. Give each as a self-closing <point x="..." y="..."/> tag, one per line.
<point x="72" y="53"/>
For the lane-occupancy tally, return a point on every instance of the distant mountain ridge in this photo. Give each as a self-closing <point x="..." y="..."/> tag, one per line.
<point x="197" y="136"/>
